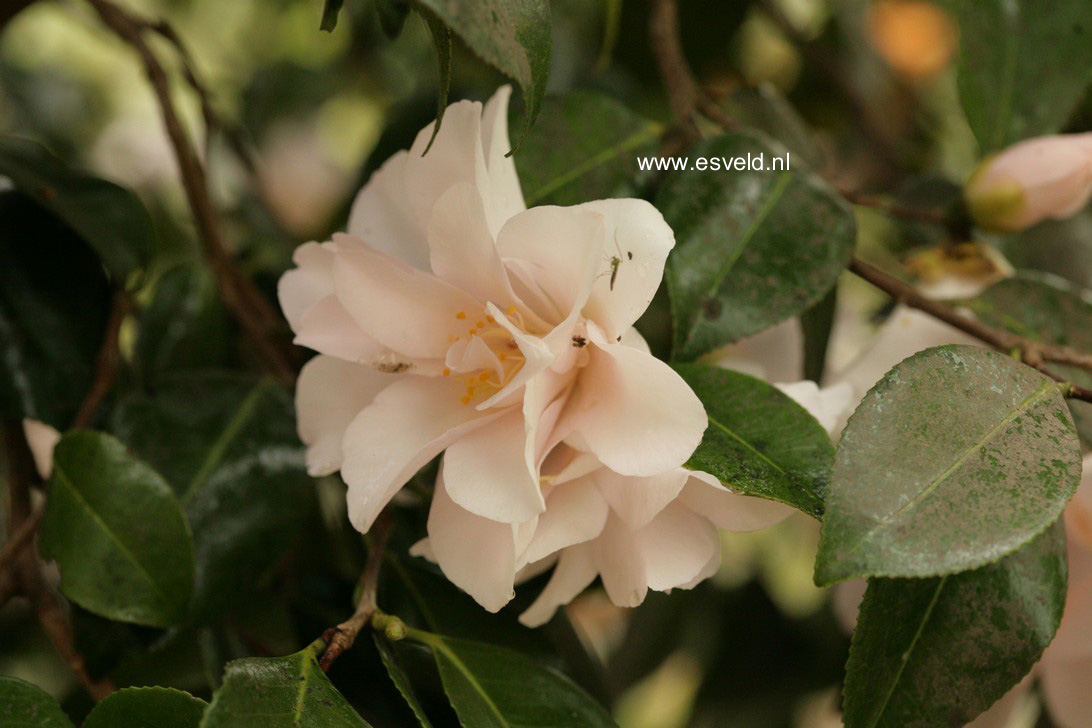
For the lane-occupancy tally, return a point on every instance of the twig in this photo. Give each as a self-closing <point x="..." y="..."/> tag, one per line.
<point x="915" y="214"/>
<point x="19" y="539"/>
<point x="106" y="363"/>
<point x="342" y="637"/>
<point x="241" y="297"/>
<point x="682" y="90"/>
<point x="1033" y="353"/>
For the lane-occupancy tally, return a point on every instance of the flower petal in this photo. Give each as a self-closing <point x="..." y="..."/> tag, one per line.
<point x="620" y="562"/>
<point x="633" y="411"/>
<point x="575" y="513"/>
<point x="502" y="192"/>
<point x="637" y="500"/>
<point x="574" y="572"/>
<point x="676" y="547"/>
<point x="41" y="439"/>
<point x="329" y="394"/>
<point x="383" y="217"/>
<point x="412" y="312"/>
<point x="831" y="406"/>
<point x="405" y="426"/>
<point x="706" y="495"/>
<point x="489" y="474"/>
<point x="476" y="554"/>
<point x="309" y="282"/>
<point x="328" y="328"/>
<point x="632" y="264"/>
<point x="552" y="254"/>
<point x="1065" y="687"/>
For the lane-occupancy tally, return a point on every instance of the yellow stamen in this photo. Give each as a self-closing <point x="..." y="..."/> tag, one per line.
<point x="480" y="324"/>
<point x="490" y="319"/>
<point x="461" y="315"/>
<point x="472" y="331"/>
<point x="466" y="399"/>
<point x="447" y="372"/>
<point x="484" y="376"/>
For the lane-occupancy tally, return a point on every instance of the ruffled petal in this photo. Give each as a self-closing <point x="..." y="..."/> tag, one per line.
<point x="412" y="312"/>
<point x="503" y="195"/>
<point x="329" y="394"/>
<point x="42" y="439"/>
<point x="489" y="474"/>
<point x="383" y="217"/>
<point x="405" y="426"/>
<point x="706" y="495"/>
<point x="476" y="554"/>
<point x="637" y="500"/>
<point x="309" y="282"/>
<point x="633" y="411"/>
<point x="574" y="572"/>
<point x="328" y="328"/>
<point x="575" y="513"/>
<point x="676" y="547"/>
<point x="1065" y="687"/>
<point x="831" y="406"/>
<point x="632" y="264"/>
<point x="619" y="559"/>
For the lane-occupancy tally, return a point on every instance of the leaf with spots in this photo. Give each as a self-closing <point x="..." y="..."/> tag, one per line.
<point x="754" y="247"/>
<point x="117" y="532"/>
<point x="956" y="458"/>
<point x="23" y="705"/>
<point x="280" y="692"/>
<point x="151" y="706"/>
<point x="939" y="651"/>
<point x="759" y="441"/>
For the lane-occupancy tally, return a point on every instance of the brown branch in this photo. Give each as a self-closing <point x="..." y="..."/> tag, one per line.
<point x="246" y="303"/>
<point x="340" y="638"/>
<point x="906" y="212"/>
<point x="106" y="363"/>
<point x="20" y="537"/>
<point x="1033" y="353"/>
<point x="682" y="90"/>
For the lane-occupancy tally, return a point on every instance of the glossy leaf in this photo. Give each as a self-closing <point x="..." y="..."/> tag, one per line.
<point x="280" y="692"/>
<point x="932" y="652"/>
<point x="117" y="532"/>
<point x="23" y="705"/>
<point x="330" y="10"/>
<point x="585" y="147"/>
<point x="229" y="448"/>
<point x="957" y="457"/>
<point x="1023" y="67"/>
<point x="400" y="680"/>
<point x="759" y="441"/>
<point x="52" y="316"/>
<point x="153" y="706"/>
<point x="1042" y="307"/>
<point x="495" y="687"/>
<point x="441" y="43"/>
<point x="111" y="219"/>
<point x="764" y="107"/>
<point x="392" y="16"/>
<point x="513" y="36"/>
<point x="753" y="247"/>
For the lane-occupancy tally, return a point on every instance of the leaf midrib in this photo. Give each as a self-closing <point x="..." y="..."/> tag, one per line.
<point x="219" y="448"/>
<point x="441" y="646"/>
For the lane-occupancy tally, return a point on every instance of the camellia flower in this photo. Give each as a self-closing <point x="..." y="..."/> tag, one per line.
<point x="450" y="318"/>
<point x="1046" y="177"/>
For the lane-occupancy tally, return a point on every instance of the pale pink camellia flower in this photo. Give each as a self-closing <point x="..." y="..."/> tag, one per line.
<point x="451" y="318"/>
<point x="1036" y="179"/>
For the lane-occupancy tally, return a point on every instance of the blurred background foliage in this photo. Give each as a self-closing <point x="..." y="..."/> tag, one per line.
<point x="758" y="645"/>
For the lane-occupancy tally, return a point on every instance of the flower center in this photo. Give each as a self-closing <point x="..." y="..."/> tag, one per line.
<point x="486" y="357"/>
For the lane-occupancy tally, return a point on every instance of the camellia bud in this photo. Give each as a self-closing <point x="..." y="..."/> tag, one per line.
<point x="1046" y="177"/>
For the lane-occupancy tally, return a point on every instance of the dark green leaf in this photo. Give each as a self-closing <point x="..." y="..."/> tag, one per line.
<point x="754" y="247"/>
<point x="229" y="448"/>
<point x="492" y="686"/>
<point x="330" y="11"/>
<point x="1023" y="66"/>
<point x="441" y="42"/>
<point x="140" y="707"/>
<point x="400" y="680"/>
<point x="764" y="107"/>
<point x="23" y="705"/>
<point x="957" y="457"/>
<point x="1042" y="307"/>
<point x="935" y="652"/>
<point x="52" y="313"/>
<point x="392" y="16"/>
<point x="585" y="147"/>
<point x="280" y="692"/>
<point x="513" y="36"/>
<point x="117" y="533"/>
<point x="109" y="218"/>
<point x="759" y="441"/>
<point x="817" y="323"/>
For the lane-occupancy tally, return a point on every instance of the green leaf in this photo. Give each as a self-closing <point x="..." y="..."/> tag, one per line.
<point x="400" y="679"/>
<point x="23" y="705"/>
<point x="280" y="692"/>
<point x="117" y="533"/>
<point x="754" y="247"/>
<point x="933" y="652"/>
<point x="764" y="107"/>
<point x="392" y="16"/>
<point x="817" y="323"/>
<point x="53" y="302"/>
<point x="492" y="686"/>
<point x="441" y="41"/>
<point x="330" y="11"/>
<point x="159" y="707"/>
<point x="229" y="448"/>
<point x="1042" y="307"/>
<point x="957" y="457"/>
<point x="513" y="36"/>
<point x="759" y="441"/>
<point x="110" y="218"/>
<point x="1024" y="66"/>
<point x="585" y="147"/>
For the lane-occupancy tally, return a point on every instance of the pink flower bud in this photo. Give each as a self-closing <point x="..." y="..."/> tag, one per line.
<point x="1046" y="177"/>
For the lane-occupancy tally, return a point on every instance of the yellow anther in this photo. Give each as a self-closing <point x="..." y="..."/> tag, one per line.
<point x="447" y="372"/>
<point x="461" y="315"/>
<point x="472" y="331"/>
<point x="484" y="376"/>
<point x="490" y="319"/>
<point x="511" y="309"/>
<point x="480" y="324"/>
<point x="466" y="399"/>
